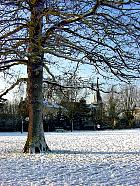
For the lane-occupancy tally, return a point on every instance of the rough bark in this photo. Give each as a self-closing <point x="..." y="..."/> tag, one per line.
<point x="35" y="141"/>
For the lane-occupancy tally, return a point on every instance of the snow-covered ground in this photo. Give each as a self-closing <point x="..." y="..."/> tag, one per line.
<point x="80" y="159"/>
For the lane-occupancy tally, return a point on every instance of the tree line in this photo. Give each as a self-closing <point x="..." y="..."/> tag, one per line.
<point x="117" y="111"/>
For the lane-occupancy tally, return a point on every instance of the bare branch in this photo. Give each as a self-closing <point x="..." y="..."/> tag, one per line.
<point x="13" y="86"/>
<point x="72" y="20"/>
<point x="48" y="71"/>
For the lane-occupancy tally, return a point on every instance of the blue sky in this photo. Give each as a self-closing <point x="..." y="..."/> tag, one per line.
<point x="85" y="70"/>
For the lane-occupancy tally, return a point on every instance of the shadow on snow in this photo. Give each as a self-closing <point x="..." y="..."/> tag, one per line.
<point x="91" y="152"/>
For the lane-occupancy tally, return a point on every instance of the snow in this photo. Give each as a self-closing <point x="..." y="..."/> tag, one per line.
<point x="91" y="158"/>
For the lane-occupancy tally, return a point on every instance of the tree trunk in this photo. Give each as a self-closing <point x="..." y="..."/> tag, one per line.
<point x="36" y="140"/>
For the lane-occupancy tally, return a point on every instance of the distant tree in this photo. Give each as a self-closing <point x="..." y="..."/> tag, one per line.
<point x="68" y="87"/>
<point x="128" y="101"/>
<point x="121" y="104"/>
<point x="101" y="33"/>
<point x="77" y="111"/>
<point x="112" y="107"/>
<point x="3" y="105"/>
<point x="23" y="108"/>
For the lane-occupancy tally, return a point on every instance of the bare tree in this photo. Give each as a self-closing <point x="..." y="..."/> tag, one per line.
<point x="122" y="102"/>
<point x="112" y="105"/>
<point x="40" y="33"/>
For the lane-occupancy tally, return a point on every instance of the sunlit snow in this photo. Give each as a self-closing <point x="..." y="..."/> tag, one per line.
<point x="79" y="158"/>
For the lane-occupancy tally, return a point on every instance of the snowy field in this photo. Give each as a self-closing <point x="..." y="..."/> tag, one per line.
<point x="80" y="159"/>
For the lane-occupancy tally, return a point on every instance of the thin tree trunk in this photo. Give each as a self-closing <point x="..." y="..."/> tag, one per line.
<point x="35" y="141"/>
